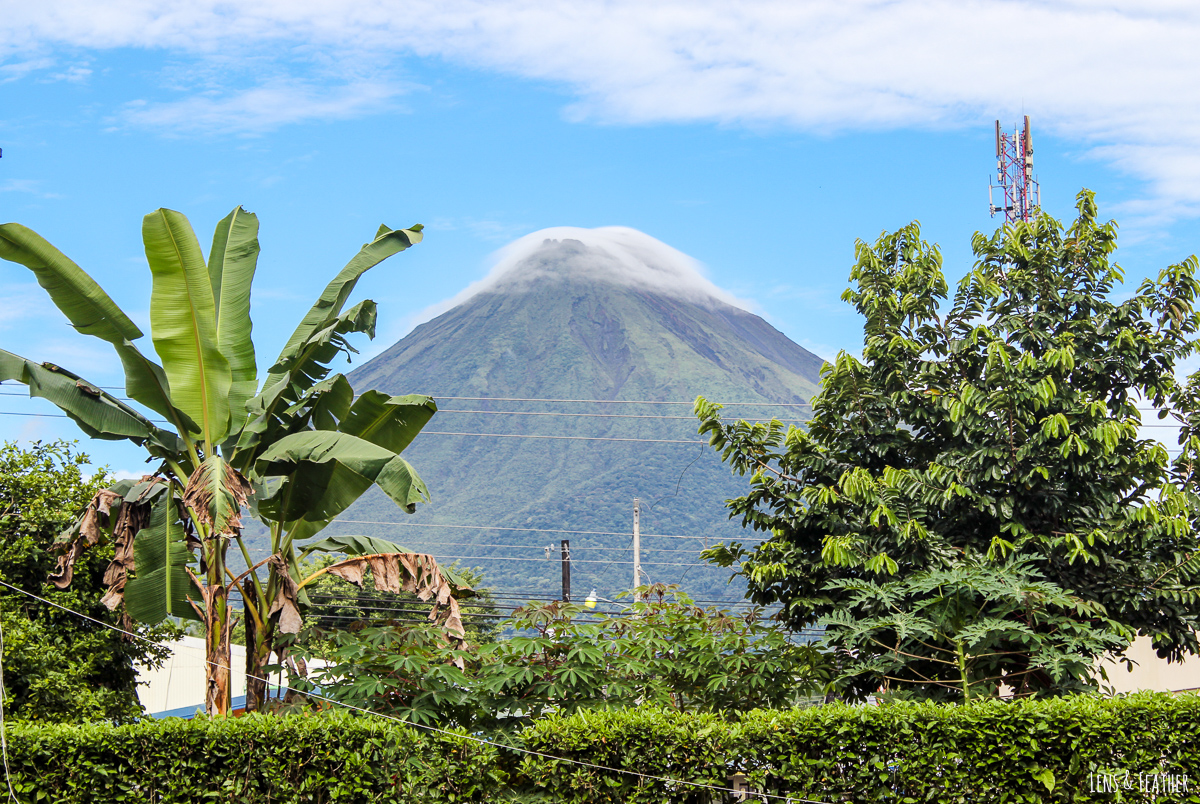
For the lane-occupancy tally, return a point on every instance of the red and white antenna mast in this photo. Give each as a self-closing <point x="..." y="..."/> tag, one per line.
<point x="1014" y="169"/>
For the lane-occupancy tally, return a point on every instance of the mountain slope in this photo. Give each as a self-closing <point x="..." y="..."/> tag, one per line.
<point x="593" y="317"/>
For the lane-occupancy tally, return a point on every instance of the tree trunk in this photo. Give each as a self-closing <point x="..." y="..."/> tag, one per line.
<point x="258" y="656"/>
<point x="217" y="630"/>
<point x="216" y="642"/>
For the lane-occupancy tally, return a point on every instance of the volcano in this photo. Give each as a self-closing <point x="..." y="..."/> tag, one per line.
<point x="565" y="382"/>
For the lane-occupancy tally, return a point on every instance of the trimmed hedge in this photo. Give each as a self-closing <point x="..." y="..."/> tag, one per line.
<point x="257" y="758"/>
<point x="992" y="751"/>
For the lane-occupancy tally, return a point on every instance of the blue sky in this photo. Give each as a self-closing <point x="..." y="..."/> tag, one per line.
<point x="760" y="138"/>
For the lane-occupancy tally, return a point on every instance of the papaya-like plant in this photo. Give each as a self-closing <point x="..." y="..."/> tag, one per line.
<point x="295" y="450"/>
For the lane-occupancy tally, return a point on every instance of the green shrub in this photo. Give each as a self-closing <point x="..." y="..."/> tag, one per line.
<point x="990" y="751"/>
<point x="257" y="758"/>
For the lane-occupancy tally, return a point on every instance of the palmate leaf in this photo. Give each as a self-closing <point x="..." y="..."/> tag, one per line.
<point x="161" y="584"/>
<point x="327" y="471"/>
<point x="231" y="265"/>
<point x="184" y="327"/>
<point x="81" y="300"/>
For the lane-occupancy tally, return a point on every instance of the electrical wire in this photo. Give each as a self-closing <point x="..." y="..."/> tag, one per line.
<point x="563" y="438"/>
<point x="520" y="412"/>
<point x="582" y="415"/>
<point x="572" y="401"/>
<point x="580" y="561"/>
<point x="12" y="795"/>
<point x="436" y="730"/>
<point x="617" y="401"/>
<point x="524" y="530"/>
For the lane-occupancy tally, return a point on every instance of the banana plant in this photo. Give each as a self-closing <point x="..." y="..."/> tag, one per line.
<point x="294" y="451"/>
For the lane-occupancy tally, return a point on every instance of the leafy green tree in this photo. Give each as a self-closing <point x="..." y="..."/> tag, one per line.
<point x="662" y="650"/>
<point x="296" y="450"/>
<point x="972" y="503"/>
<point x="58" y="668"/>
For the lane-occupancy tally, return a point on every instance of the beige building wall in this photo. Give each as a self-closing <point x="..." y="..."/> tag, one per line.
<point x="1152" y="673"/>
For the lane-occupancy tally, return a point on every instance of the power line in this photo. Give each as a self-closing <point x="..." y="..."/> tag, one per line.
<point x="574" y="401"/>
<point x="430" y="432"/>
<point x="515" y="412"/>
<point x="525" y="530"/>
<point x="562" y="413"/>
<point x="566" y="438"/>
<point x="444" y="556"/>
<point x="554" y="547"/>
<point x="616" y="401"/>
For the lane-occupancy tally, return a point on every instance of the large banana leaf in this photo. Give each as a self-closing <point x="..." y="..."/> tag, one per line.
<point x="161" y="584"/>
<point x="308" y="364"/>
<point x="91" y="311"/>
<point x="386" y="243"/>
<point x="97" y="413"/>
<point x="82" y="301"/>
<point x="388" y="421"/>
<point x="297" y="383"/>
<point x="332" y="399"/>
<point x="231" y="265"/>
<point x="146" y="382"/>
<point x="184" y="327"/>
<point x="327" y="471"/>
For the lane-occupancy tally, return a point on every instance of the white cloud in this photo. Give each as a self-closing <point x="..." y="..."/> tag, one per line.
<point x="1119" y="76"/>
<point x="19" y="69"/>
<point x="259" y="109"/>
<point x="23" y="302"/>
<point x="75" y="74"/>
<point x="614" y="254"/>
<point x="31" y="186"/>
<point x="484" y="229"/>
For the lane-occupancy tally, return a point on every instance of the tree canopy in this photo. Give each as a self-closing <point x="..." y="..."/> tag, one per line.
<point x="975" y="502"/>
<point x="58" y="668"/>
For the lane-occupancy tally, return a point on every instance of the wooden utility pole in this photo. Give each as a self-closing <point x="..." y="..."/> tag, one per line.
<point x="637" y="543"/>
<point x="566" y="570"/>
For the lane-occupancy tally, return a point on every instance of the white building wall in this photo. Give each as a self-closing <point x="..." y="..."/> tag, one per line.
<point x="179" y="683"/>
<point x="180" y="680"/>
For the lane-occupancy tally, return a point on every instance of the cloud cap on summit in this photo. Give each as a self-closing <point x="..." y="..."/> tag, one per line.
<point x="614" y="254"/>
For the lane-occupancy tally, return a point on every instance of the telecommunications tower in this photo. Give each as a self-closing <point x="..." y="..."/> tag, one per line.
<point x="1014" y="169"/>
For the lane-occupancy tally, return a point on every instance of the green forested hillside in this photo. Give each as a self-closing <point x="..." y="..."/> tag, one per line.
<point x="573" y="335"/>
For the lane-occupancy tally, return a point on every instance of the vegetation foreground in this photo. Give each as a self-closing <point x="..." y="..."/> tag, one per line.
<point x="1055" y="750"/>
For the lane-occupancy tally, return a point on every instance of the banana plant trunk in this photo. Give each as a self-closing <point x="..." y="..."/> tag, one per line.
<point x="258" y="656"/>
<point x="217" y="698"/>
<point x="218" y="627"/>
